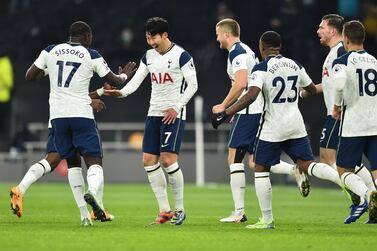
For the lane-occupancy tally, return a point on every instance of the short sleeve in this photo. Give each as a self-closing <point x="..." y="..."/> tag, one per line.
<point x="239" y="63"/>
<point x="304" y="79"/>
<point x="188" y="69"/>
<point x="339" y="71"/>
<point x="100" y="67"/>
<point x="41" y="61"/>
<point x="257" y="79"/>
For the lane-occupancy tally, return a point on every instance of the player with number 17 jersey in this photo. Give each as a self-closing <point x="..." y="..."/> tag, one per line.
<point x="71" y="67"/>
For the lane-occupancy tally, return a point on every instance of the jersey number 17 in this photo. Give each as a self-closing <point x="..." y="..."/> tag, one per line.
<point x="70" y="76"/>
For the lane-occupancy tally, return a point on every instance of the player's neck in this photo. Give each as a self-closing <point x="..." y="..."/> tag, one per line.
<point x="355" y="47"/>
<point x="232" y="41"/>
<point x="271" y="54"/>
<point x="165" y="47"/>
<point x="335" y="41"/>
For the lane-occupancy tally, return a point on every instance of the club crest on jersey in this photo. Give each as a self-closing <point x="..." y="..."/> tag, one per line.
<point x="325" y="72"/>
<point x="169" y="62"/>
<point x="161" y="78"/>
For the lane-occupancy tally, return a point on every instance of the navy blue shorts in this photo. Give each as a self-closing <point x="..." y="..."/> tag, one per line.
<point x="72" y="135"/>
<point x="159" y="137"/>
<point x="268" y="153"/>
<point x="50" y="146"/>
<point x="330" y="133"/>
<point x="351" y="149"/>
<point x="244" y="131"/>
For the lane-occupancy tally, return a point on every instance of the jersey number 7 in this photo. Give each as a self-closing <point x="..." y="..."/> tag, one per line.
<point x="60" y="72"/>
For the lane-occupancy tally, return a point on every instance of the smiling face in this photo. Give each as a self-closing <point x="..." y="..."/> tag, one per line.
<point x="157" y="41"/>
<point x="221" y="37"/>
<point x="325" y="32"/>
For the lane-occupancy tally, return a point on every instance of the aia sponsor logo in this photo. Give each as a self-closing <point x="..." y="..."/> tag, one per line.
<point x="161" y="78"/>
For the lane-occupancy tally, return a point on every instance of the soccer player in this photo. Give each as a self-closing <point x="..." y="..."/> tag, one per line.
<point x="282" y="126"/>
<point x="48" y="165"/>
<point x="355" y="75"/>
<point x="70" y="67"/>
<point x="241" y="60"/>
<point x="330" y="34"/>
<point x="174" y="82"/>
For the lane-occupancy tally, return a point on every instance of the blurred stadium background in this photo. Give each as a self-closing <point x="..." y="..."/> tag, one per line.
<point x="28" y="26"/>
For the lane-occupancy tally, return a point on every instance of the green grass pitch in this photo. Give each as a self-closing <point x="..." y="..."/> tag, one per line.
<point x="51" y="222"/>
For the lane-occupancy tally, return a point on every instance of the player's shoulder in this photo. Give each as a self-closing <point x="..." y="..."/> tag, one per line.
<point x="342" y="60"/>
<point x="94" y="54"/>
<point x="340" y="50"/>
<point x="262" y="66"/>
<point x="237" y="49"/>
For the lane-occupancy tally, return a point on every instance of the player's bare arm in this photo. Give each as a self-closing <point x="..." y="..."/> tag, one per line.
<point x="306" y="94"/>
<point x="311" y="89"/>
<point x="235" y="91"/>
<point x="336" y="112"/>
<point x="34" y="73"/>
<point x="247" y="99"/>
<point x="125" y="73"/>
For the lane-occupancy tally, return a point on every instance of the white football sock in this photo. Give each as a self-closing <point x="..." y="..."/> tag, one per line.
<point x="157" y="181"/>
<point x="94" y="178"/>
<point x="237" y="185"/>
<point x="177" y="183"/>
<point x="324" y="172"/>
<point x="100" y="194"/>
<point x="366" y="176"/>
<point x="283" y="168"/>
<point x="34" y="173"/>
<point x="77" y="184"/>
<point x="334" y="166"/>
<point x="355" y="184"/>
<point x="264" y="193"/>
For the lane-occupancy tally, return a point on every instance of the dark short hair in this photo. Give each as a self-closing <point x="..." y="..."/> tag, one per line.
<point x="79" y="28"/>
<point x="231" y="25"/>
<point x="354" y="30"/>
<point x="271" y="39"/>
<point x="156" y="25"/>
<point x="334" y="21"/>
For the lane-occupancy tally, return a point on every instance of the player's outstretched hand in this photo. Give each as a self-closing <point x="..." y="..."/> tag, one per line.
<point x="113" y="93"/>
<point x="218" y="119"/>
<point x="129" y="69"/>
<point x="98" y="105"/>
<point x="170" y="116"/>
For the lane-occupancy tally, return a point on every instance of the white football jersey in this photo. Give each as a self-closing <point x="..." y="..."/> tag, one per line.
<point x="327" y="82"/>
<point x="279" y="79"/>
<point x="70" y="68"/>
<point x="167" y="72"/>
<point x="241" y="57"/>
<point x="356" y="74"/>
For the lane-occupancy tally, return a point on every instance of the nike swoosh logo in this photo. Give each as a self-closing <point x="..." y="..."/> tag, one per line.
<point x="164" y="145"/>
<point x="218" y="118"/>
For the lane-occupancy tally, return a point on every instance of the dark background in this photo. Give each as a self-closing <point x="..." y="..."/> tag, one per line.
<point x="28" y="26"/>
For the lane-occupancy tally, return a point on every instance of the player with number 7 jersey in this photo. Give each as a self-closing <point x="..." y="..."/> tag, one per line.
<point x="173" y="79"/>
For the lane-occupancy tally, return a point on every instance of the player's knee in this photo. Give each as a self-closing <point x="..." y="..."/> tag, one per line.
<point x="149" y="160"/>
<point x="252" y="165"/>
<point x="168" y="159"/>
